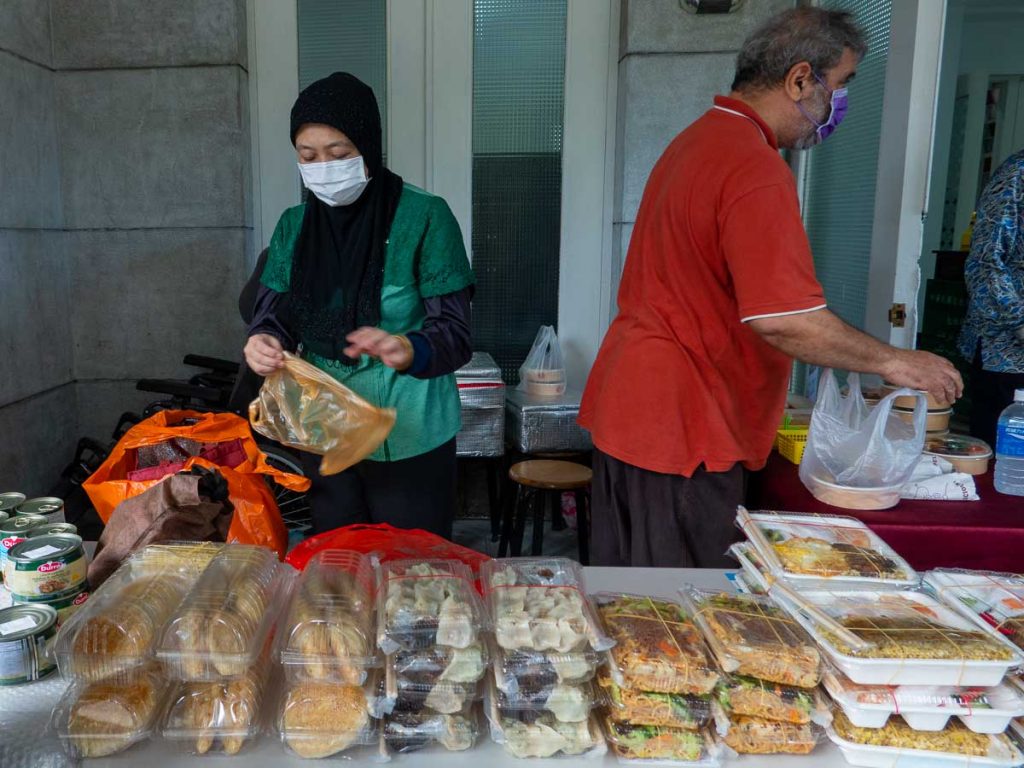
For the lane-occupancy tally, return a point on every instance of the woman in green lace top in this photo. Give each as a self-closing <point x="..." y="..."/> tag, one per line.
<point x="369" y="281"/>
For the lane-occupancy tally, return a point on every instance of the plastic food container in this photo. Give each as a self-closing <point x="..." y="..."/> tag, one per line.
<point x="927" y="708"/>
<point x="967" y="454"/>
<point x="328" y="632"/>
<point x="568" y="703"/>
<point x="540" y="604"/>
<point x="831" y="551"/>
<point x="755" y="572"/>
<point x="899" y="745"/>
<point x="659" y="745"/>
<point x="750" y="697"/>
<point x="97" y="719"/>
<point x="936" y="421"/>
<point x="395" y="694"/>
<point x="533" y="670"/>
<point x="412" y="732"/>
<point x="668" y="710"/>
<point x="223" y="624"/>
<point x="848" y="497"/>
<point x="758" y="736"/>
<point x="323" y="719"/>
<point x="909" y="402"/>
<point x="426" y="603"/>
<point x="914" y="640"/>
<point x="989" y="599"/>
<point x="533" y="735"/>
<point x="751" y="636"/>
<point x="442" y="664"/>
<point x="658" y="646"/>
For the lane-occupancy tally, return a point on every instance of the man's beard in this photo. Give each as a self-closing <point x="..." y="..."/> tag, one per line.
<point x="813" y="138"/>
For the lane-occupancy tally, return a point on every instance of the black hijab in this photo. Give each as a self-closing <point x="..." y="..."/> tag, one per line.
<point x="338" y="265"/>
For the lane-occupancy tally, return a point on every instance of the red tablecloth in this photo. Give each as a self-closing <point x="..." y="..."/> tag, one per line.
<point x="986" y="534"/>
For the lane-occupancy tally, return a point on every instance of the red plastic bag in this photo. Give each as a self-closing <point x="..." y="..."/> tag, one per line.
<point x="388" y="543"/>
<point x="257" y="519"/>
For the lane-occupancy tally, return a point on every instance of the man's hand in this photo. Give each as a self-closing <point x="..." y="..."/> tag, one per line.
<point x="927" y="372"/>
<point x="264" y="354"/>
<point x="394" y="351"/>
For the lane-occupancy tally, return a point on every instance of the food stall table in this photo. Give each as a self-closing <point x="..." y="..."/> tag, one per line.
<point x="986" y="534"/>
<point x="27" y="743"/>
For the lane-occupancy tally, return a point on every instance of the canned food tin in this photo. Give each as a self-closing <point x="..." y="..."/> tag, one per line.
<point x="15" y="531"/>
<point x="64" y="606"/>
<point x="25" y="631"/>
<point x="46" y="568"/>
<point x="9" y="502"/>
<point x="3" y="516"/>
<point x="49" y="507"/>
<point x="51" y="528"/>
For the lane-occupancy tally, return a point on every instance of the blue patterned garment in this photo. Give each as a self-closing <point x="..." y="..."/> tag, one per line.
<point x="995" y="273"/>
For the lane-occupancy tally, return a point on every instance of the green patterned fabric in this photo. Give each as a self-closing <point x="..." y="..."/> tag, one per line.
<point x="425" y="257"/>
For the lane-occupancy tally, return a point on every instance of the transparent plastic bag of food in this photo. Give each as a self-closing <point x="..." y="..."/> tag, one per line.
<point x="305" y="408"/>
<point x="543" y="372"/>
<point x="442" y="664"/>
<point x="657" y="645"/>
<point x="222" y="626"/>
<point x="752" y="636"/>
<point x="540" y="604"/>
<point x="405" y="732"/>
<point x="688" y="711"/>
<point x="750" y="697"/>
<point x="746" y="735"/>
<point x="658" y="745"/>
<point x="990" y="599"/>
<point x="104" y="717"/>
<point x="328" y="630"/>
<point x="318" y="719"/>
<point x="220" y="717"/>
<point x="117" y="630"/>
<point x="427" y="603"/>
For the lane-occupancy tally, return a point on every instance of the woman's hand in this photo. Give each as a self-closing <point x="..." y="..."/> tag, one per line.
<point x="394" y="351"/>
<point x="264" y="354"/>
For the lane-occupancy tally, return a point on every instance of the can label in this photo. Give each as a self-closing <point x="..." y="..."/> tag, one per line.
<point x="66" y="607"/>
<point x="6" y="545"/>
<point x="47" y="575"/>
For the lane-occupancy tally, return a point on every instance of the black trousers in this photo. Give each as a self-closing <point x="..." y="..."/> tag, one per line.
<point x="643" y="518"/>
<point x="411" y="493"/>
<point x="991" y="392"/>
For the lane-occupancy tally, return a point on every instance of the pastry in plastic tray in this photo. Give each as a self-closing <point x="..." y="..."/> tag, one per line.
<point x="323" y="719"/>
<point x="221" y="715"/>
<point x="427" y="603"/>
<point x="669" y="710"/>
<point x="658" y="648"/>
<point x="539" y="605"/>
<point x="953" y="740"/>
<point x="992" y="599"/>
<point x="757" y="736"/>
<point x="328" y="632"/>
<point x="220" y="629"/>
<point x="925" y="708"/>
<point x="442" y="664"/>
<point x="752" y="636"/>
<point x="657" y="743"/>
<point x="750" y="697"/>
<point x="546" y="736"/>
<point x="412" y="731"/>
<point x="105" y="717"/>
<point x="827" y="546"/>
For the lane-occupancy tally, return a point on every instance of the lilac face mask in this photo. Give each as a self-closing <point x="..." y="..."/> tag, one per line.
<point x="837" y="112"/>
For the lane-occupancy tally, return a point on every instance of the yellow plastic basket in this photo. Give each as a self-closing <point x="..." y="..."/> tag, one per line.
<point x="790" y="443"/>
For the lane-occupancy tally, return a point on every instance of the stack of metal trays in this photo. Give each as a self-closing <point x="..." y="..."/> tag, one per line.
<point x="482" y="393"/>
<point x="545" y="424"/>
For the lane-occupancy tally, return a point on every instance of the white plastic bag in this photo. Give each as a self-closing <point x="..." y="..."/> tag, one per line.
<point x="853" y="447"/>
<point x="543" y="372"/>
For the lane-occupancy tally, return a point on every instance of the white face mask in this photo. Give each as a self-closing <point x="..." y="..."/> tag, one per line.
<point x="338" y="182"/>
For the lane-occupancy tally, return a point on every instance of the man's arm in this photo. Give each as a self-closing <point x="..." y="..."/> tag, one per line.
<point x="821" y="338"/>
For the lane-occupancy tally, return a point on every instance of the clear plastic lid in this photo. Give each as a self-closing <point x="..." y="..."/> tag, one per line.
<point x="222" y="626"/>
<point x="423" y="603"/>
<point x="751" y="697"/>
<point x="809" y="547"/>
<point x="758" y="736"/>
<point x="442" y="664"/>
<point x="116" y="631"/>
<point x="541" y="734"/>
<point x="328" y="630"/>
<point x="752" y="636"/>
<point x="990" y="599"/>
<point x="412" y="731"/>
<point x="397" y="694"/>
<point x="658" y="744"/>
<point x="658" y="646"/>
<point x="101" y="718"/>
<point x="668" y="710"/>
<point x="958" y="447"/>
<point x="755" y="572"/>
<point x="540" y="604"/>
<point x="568" y="703"/>
<point x="898" y="738"/>
<point x="322" y="719"/>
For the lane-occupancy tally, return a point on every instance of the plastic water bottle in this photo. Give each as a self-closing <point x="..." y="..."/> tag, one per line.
<point x="1010" y="448"/>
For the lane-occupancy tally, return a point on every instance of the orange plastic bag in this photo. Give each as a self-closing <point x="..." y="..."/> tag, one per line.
<point x="305" y="408"/>
<point x="257" y="519"/>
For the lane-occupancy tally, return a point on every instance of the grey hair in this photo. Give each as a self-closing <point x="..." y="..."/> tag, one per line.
<point x="814" y="35"/>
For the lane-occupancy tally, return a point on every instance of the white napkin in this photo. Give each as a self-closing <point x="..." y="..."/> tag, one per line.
<point x="935" y="480"/>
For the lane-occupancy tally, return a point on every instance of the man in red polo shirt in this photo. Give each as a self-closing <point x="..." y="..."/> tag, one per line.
<point x="717" y="298"/>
